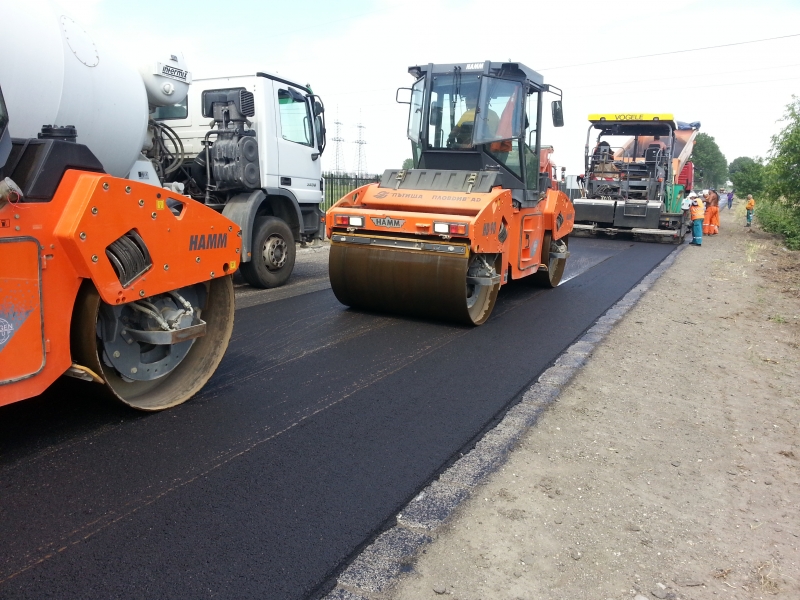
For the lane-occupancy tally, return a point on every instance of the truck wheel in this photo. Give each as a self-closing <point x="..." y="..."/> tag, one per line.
<point x="273" y="254"/>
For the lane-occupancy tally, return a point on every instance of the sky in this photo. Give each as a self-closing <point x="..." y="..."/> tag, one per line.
<point x="356" y="53"/>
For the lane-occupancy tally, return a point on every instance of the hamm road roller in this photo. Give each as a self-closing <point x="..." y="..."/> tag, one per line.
<point x="477" y="209"/>
<point x="102" y="278"/>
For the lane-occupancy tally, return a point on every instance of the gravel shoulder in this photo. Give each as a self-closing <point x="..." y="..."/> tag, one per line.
<point x="669" y="467"/>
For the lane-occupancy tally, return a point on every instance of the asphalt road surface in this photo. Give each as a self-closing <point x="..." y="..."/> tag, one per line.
<point x="318" y="427"/>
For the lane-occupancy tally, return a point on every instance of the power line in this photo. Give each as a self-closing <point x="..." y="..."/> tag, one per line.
<point x="683" y="77"/>
<point x="599" y="62"/>
<point x="694" y="87"/>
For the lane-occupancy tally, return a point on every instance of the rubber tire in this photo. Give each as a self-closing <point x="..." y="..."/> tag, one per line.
<point x="481" y="310"/>
<point x="552" y="277"/>
<point x="681" y="237"/>
<point x="255" y="271"/>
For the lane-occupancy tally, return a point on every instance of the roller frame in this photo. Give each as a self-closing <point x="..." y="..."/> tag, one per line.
<point x="364" y="260"/>
<point x="72" y="231"/>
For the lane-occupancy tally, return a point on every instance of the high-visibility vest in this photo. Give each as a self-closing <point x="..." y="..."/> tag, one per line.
<point x="697" y="211"/>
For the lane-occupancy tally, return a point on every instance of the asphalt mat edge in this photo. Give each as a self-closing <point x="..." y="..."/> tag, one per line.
<point x="378" y="566"/>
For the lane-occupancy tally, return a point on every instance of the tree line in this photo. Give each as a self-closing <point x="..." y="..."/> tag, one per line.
<point x="775" y="180"/>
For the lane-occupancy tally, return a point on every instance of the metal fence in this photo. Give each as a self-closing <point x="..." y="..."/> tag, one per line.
<point x="340" y="184"/>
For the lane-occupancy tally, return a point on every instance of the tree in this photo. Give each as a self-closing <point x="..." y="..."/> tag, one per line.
<point x="747" y="175"/>
<point x="737" y="164"/>
<point x="784" y="161"/>
<point x="709" y="158"/>
<point x="408" y="164"/>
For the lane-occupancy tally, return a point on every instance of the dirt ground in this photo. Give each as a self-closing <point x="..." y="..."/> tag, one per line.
<point x="669" y="467"/>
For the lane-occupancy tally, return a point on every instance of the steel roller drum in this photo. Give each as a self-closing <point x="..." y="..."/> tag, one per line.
<point x="185" y="380"/>
<point x="419" y="283"/>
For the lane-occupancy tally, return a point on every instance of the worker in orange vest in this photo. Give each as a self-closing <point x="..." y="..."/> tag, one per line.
<point x="750" y="207"/>
<point x="697" y="212"/>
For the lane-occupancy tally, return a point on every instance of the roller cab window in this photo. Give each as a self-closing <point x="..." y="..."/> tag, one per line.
<point x="499" y="121"/>
<point x="295" y="117"/>
<point x="499" y="116"/>
<point x="454" y="98"/>
<point x="415" y="112"/>
<point x="531" y="156"/>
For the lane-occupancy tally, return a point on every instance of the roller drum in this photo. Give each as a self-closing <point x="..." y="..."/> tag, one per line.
<point x="183" y="381"/>
<point x="408" y="282"/>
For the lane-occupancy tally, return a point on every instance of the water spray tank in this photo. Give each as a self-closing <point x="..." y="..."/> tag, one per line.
<point x="58" y="75"/>
<point x="166" y="79"/>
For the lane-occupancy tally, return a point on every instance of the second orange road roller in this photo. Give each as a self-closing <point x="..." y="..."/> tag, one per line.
<point x="477" y="210"/>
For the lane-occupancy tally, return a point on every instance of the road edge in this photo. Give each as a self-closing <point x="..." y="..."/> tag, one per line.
<point x="377" y="567"/>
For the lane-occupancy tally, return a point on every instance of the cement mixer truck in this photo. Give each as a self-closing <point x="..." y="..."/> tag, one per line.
<point x="116" y="281"/>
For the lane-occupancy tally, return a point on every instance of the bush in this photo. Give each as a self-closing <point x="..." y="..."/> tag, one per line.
<point x="778" y="216"/>
<point x="779" y="210"/>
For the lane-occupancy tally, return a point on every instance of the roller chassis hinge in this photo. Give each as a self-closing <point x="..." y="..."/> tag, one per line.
<point x="146" y="339"/>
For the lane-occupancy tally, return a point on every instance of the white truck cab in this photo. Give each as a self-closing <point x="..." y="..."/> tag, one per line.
<point x="265" y="136"/>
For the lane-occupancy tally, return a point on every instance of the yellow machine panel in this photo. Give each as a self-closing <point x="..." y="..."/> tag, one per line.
<point x="595" y="118"/>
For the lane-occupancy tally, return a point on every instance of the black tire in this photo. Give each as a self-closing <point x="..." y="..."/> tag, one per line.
<point x="273" y="254"/>
<point x="552" y="277"/>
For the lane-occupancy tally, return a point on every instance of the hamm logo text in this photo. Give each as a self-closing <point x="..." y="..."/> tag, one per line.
<point x="208" y="242"/>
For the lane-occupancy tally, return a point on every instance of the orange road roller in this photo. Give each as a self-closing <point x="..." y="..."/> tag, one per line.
<point x="478" y="208"/>
<point x="106" y="279"/>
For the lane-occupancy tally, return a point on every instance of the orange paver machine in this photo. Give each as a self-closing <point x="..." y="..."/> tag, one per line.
<point x="477" y="209"/>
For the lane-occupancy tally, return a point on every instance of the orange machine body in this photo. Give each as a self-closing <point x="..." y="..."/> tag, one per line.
<point x="412" y="213"/>
<point x="47" y="249"/>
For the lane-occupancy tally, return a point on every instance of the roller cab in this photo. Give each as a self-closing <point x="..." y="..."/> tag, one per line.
<point x="440" y="239"/>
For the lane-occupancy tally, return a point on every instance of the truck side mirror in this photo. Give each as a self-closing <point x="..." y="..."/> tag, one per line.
<point x="558" y="113"/>
<point x="403" y="96"/>
<point x="318" y="108"/>
<point x="319" y="124"/>
<point x="5" y="136"/>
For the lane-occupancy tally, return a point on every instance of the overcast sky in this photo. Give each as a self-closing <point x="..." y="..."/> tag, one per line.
<point x="355" y="53"/>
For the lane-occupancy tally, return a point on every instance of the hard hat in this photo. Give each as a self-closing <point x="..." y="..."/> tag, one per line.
<point x="705" y="192"/>
<point x="692" y="195"/>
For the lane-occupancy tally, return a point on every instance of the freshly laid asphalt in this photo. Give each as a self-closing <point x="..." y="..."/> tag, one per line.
<point x="319" y="426"/>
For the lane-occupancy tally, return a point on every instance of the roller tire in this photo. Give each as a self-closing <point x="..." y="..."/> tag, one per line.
<point x="257" y="272"/>
<point x="181" y="383"/>
<point x="555" y="268"/>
